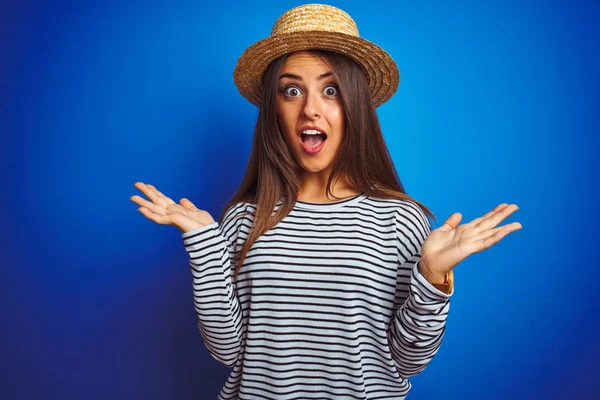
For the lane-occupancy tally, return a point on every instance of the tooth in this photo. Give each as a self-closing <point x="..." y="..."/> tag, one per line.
<point x="312" y="132"/>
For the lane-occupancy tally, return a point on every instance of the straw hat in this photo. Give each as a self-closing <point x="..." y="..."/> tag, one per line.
<point x="316" y="26"/>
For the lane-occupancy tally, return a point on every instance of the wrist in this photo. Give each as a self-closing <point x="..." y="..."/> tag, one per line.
<point x="444" y="283"/>
<point x="435" y="278"/>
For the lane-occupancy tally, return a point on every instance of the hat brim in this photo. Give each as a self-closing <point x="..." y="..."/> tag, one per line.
<point x="380" y="69"/>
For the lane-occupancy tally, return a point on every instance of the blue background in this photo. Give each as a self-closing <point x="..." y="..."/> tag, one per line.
<point x="498" y="102"/>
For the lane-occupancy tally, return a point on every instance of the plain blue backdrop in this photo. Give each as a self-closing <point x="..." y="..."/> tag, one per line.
<point x="498" y="102"/>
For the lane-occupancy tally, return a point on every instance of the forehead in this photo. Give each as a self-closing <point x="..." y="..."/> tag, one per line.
<point x="306" y="63"/>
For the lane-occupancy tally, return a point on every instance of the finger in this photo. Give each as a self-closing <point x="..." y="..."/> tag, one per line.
<point x="161" y="196"/>
<point x="158" y="218"/>
<point x="493" y="236"/>
<point x="188" y="205"/>
<point x="499" y="207"/>
<point x="153" y="207"/>
<point x="151" y="194"/>
<point x="144" y="203"/>
<point x="509" y="228"/>
<point x="451" y="222"/>
<point x="497" y="217"/>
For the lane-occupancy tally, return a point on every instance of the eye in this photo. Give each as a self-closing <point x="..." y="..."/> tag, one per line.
<point x="331" y="90"/>
<point x="291" y="91"/>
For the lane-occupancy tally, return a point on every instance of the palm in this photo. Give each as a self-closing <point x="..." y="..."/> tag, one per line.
<point x="445" y="245"/>
<point x="448" y="245"/>
<point x="163" y="210"/>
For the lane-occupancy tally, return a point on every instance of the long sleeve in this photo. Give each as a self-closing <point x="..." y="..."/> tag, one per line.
<point x="217" y="307"/>
<point x="418" y="325"/>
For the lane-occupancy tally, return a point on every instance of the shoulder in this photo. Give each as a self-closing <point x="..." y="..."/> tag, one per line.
<point x="405" y="211"/>
<point x="410" y="212"/>
<point x="237" y="212"/>
<point x="412" y="224"/>
<point x="412" y="227"/>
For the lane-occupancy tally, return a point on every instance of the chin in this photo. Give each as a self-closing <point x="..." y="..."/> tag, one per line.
<point x="314" y="167"/>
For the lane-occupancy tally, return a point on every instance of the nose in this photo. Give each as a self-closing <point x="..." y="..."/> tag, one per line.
<point x="312" y="106"/>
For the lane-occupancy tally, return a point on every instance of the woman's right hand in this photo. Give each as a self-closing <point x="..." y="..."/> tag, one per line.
<point x="162" y="210"/>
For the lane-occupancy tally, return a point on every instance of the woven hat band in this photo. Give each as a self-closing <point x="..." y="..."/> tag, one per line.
<point x="315" y="17"/>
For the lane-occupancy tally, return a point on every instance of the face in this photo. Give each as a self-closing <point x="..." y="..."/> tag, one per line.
<point x="308" y="97"/>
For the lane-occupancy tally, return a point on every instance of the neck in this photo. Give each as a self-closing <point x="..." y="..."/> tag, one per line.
<point x="313" y="189"/>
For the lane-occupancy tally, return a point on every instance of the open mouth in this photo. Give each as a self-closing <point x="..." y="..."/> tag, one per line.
<point x="312" y="140"/>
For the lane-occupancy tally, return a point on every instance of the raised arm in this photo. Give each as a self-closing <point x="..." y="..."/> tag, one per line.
<point x="418" y="325"/>
<point x="211" y="249"/>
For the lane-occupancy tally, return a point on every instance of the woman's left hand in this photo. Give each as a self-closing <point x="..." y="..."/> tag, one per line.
<point x="448" y="245"/>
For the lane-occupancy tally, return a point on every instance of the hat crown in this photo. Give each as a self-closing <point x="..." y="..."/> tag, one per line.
<point x="315" y="17"/>
<point x="316" y="26"/>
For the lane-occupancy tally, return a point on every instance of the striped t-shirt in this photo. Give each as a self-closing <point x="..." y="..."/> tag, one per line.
<point x="329" y="304"/>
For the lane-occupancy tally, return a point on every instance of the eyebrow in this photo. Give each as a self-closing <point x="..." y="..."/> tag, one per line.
<point x="299" y="78"/>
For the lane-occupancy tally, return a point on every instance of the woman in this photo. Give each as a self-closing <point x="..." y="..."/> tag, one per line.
<point x="322" y="278"/>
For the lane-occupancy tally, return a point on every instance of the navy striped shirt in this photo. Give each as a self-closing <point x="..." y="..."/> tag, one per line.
<point x="328" y="304"/>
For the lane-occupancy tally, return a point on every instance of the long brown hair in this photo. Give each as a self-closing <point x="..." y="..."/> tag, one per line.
<point x="271" y="172"/>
